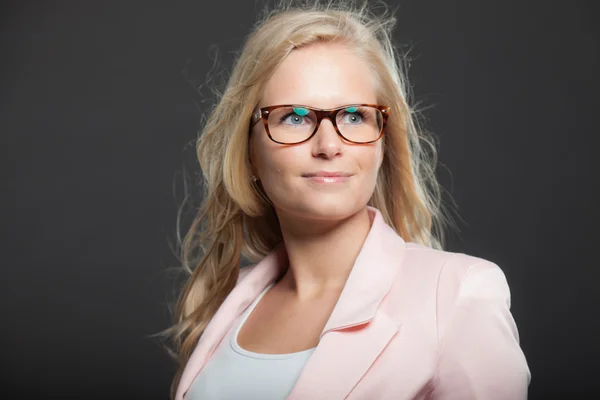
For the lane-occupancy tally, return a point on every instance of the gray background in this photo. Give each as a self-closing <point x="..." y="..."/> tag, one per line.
<point x="98" y="119"/>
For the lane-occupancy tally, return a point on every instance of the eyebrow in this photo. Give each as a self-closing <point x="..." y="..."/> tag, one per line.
<point x="303" y="104"/>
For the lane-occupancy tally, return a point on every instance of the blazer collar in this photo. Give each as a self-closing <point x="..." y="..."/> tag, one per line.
<point x="371" y="277"/>
<point x="369" y="281"/>
<point x="342" y="357"/>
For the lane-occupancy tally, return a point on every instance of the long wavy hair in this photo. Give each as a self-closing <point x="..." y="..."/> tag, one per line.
<point x="235" y="218"/>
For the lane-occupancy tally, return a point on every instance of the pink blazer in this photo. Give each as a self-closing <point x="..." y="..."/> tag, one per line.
<point x="411" y="323"/>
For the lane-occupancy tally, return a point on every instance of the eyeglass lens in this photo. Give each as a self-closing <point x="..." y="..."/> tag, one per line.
<point x="296" y="124"/>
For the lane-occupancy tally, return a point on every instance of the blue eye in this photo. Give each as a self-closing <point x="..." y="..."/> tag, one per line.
<point x="295" y="116"/>
<point x="353" y="115"/>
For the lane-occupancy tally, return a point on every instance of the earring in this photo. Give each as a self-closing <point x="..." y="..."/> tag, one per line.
<point x="254" y="179"/>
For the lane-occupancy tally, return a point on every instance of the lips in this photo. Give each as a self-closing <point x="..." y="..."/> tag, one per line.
<point x="327" y="174"/>
<point x="328" y="177"/>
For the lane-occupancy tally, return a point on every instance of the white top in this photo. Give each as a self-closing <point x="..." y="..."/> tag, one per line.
<point x="233" y="373"/>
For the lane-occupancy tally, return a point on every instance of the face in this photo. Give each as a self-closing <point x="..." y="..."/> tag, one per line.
<point x="321" y="76"/>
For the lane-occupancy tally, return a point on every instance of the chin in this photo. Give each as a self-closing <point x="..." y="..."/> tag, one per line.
<point x="325" y="210"/>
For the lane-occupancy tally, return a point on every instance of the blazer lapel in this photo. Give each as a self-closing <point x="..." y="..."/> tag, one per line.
<point x="356" y="333"/>
<point x="341" y="359"/>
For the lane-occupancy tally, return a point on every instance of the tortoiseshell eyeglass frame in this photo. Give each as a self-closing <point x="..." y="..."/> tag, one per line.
<point x="331" y="114"/>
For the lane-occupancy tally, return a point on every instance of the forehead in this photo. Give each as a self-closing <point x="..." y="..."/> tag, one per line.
<point x="323" y="75"/>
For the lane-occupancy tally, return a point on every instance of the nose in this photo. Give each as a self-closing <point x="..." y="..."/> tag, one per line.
<point x="326" y="142"/>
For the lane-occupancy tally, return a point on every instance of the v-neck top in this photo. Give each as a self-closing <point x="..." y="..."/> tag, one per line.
<point x="233" y="373"/>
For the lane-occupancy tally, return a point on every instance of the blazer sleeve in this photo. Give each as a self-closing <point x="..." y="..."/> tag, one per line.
<point x="479" y="353"/>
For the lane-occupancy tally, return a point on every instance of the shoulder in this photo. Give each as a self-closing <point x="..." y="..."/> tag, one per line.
<point x="244" y="271"/>
<point x="417" y="254"/>
<point x="453" y="271"/>
<point x="431" y="283"/>
<point x="440" y="278"/>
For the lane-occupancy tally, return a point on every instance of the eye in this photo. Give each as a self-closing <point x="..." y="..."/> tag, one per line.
<point x="295" y="117"/>
<point x="353" y="116"/>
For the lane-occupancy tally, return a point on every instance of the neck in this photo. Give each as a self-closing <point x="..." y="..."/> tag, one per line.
<point x="321" y="254"/>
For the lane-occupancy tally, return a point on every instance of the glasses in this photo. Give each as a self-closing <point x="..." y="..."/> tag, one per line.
<point x="292" y="124"/>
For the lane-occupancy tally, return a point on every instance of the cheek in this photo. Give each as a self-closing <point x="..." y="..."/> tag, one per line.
<point x="284" y="161"/>
<point x="274" y="162"/>
<point x="370" y="160"/>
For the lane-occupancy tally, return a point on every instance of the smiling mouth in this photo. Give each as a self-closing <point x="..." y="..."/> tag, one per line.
<point x="327" y="174"/>
<point x="328" y="179"/>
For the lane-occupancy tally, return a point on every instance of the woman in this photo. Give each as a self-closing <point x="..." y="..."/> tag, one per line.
<point x="314" y="169"/>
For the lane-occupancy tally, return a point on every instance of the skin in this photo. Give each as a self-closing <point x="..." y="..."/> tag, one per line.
<point x="324" y="226"/>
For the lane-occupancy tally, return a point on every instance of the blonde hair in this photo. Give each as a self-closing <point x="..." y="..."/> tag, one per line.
<point x="234" y="219"/>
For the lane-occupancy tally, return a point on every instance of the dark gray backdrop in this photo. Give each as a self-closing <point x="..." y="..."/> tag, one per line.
<point x="96" y="123"/>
